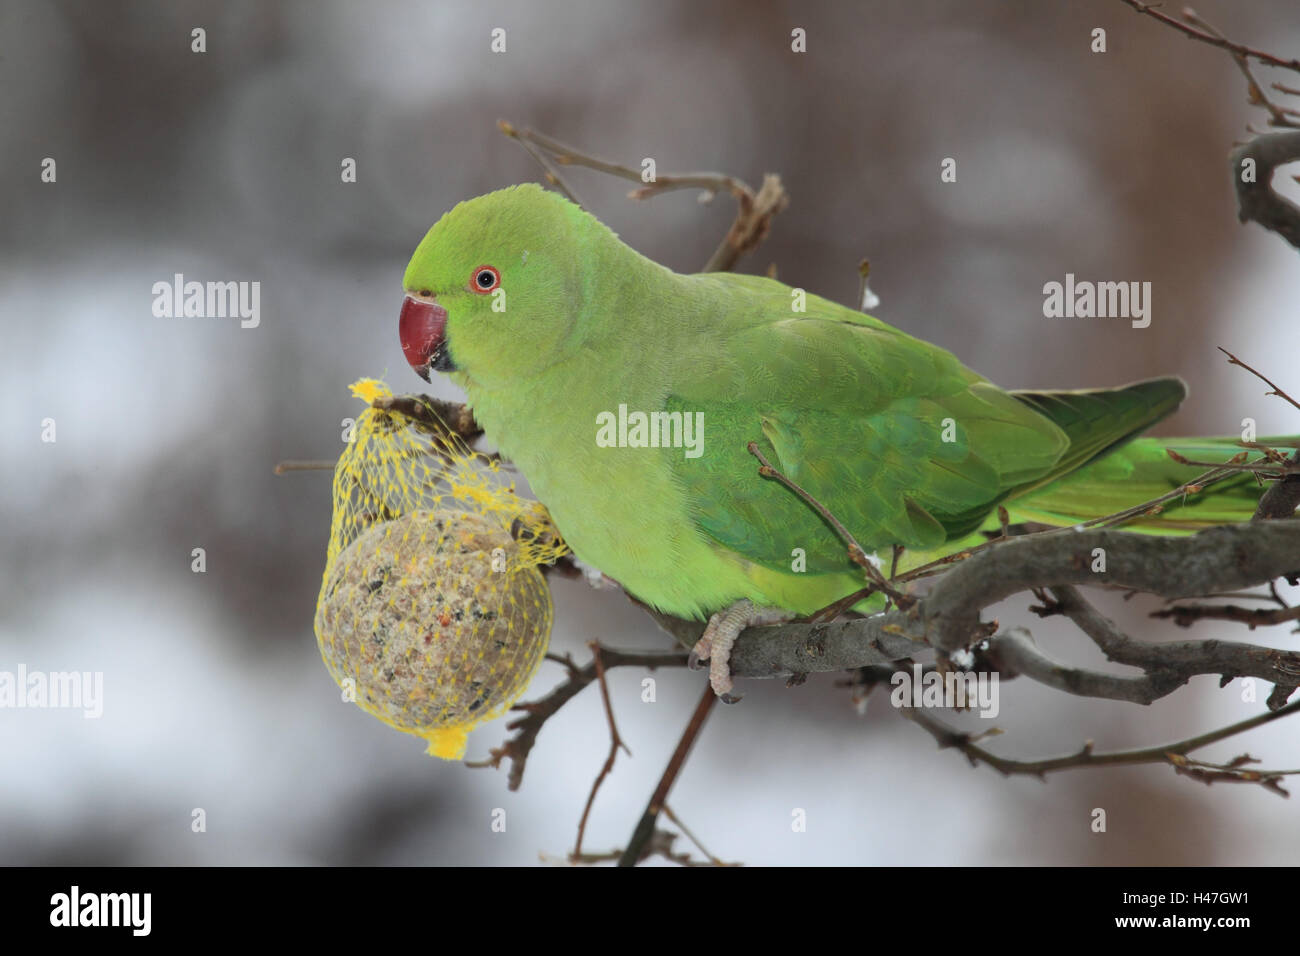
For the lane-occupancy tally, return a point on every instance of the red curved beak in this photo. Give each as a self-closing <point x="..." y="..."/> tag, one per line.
<point x="422" y="327"/>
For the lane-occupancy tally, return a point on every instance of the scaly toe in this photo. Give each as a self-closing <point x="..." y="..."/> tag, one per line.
<point x="700" y="652"/>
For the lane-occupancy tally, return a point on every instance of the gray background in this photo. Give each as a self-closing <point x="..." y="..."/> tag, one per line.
<point x="225" y="165"/>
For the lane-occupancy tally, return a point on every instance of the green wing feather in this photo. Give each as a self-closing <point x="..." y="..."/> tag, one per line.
<point x="893" y="435"/>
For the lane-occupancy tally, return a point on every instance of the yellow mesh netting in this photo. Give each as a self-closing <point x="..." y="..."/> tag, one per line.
<point x="433" y="611"/>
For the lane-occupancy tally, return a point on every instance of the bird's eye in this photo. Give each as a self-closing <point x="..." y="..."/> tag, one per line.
<point x="485" y="279"/>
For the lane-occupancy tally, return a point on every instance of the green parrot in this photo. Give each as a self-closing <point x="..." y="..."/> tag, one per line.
<point x="627" y="394"/>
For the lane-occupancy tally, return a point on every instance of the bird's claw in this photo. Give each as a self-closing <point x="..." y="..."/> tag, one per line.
<point x="715" y="644"/>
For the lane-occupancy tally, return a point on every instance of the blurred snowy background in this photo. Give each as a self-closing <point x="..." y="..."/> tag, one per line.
<point x="225" y="166"/>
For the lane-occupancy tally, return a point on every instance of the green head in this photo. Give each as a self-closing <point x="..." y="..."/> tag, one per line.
<point x="492" y="290"/>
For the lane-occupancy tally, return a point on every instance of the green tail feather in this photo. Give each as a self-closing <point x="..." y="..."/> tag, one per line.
<point x="1116" y="479"/>
<point x="1140" y="471"/>
<point x="1098" y="421"/>
<point x="1127" y="477"/>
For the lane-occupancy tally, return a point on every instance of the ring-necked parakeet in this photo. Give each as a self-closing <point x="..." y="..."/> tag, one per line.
<point x="582" y="359"/>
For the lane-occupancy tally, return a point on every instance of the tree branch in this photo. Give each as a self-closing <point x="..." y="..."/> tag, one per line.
<point x="633" y="853"/>
<point x="1184" y="615"/>
<point x="538" y="712"/>
<point x="615" y="742"/>
<point x="1172" y="753"/>
<point x="1257" y="201"/>
<point x="948" y="617"/>
<point x="755" y="208"/>
<point x="1216" y="39"/>
<point x="1172" y="663"/>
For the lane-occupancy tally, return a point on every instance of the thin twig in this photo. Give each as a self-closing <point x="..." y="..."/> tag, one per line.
<point x="1184" y="615"/>
<point x="1173" y="753"/>
<point x="645" y="827"/>
<point x="1272" y="465"/>
<point x="517" y="748"/>
<point x="1233" y="360"/>
<point x="566" y="155"/>
<point x="1254" y="92"/>
<point x="856" y="552"/>
<point x="1283" y="497"/>
<point x="661" y="843"/>
<point x="552" y="174"/>
<point x="1239" y="49"/>
<point x="615" y="742"/>
<point x="1145" y="509"/>
<point x="755" y="208"/>
<point x="292" y="464"/>
<point x="668" y="812"/>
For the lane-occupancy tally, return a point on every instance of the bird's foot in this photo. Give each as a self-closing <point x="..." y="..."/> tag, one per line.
<point x="723" y="629"/>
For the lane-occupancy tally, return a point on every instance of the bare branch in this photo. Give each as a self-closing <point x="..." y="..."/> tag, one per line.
<point x="1217" y="39"/>
<point x="549" y="171"/>
<point x="755" y="208"/>
<point x="517" y="748"/>
<point x="1275" y="390"/>
<point x="1257" y="201"/>
<point x="1173" y="753"/>
<point x="633" y="853"/>
<point x="1254" y="92"/>
<point x="1170" y="664"/>
<point x="1184" y="615"/>
<point x="1014" y="653"/>
<point x="615" y="742"/>
<point x="948" y="617"/>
